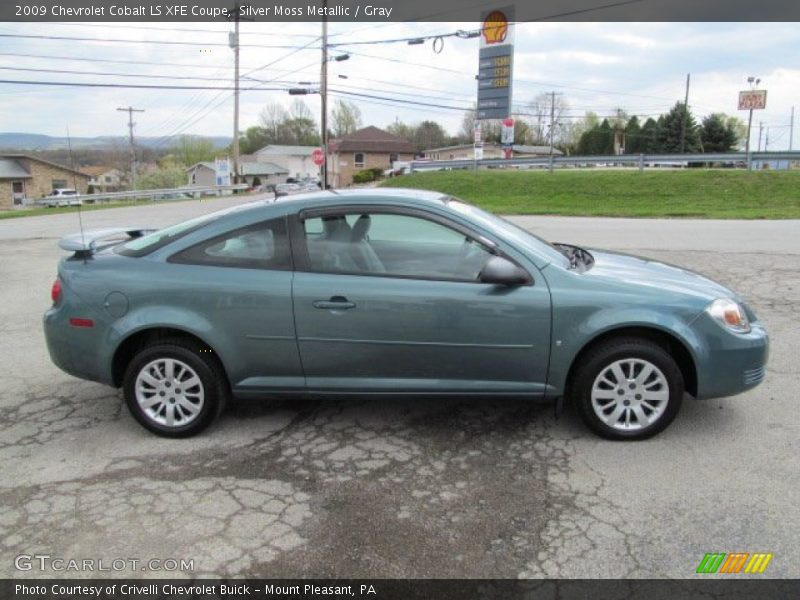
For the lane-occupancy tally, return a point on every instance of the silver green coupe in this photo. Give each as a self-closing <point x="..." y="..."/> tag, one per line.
<point x="390" y="292"/>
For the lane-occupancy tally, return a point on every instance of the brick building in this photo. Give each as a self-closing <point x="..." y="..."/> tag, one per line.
<point x="365" y="149"/>
<point x="25" y="178"/>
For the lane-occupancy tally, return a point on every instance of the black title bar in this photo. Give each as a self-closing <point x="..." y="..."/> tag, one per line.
<point x="396" y="10"/>
<point x="388" y="589"/>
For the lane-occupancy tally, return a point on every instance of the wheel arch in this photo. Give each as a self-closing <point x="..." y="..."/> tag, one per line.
<point x="137" y="340"/>
<point x="670" y="342"/>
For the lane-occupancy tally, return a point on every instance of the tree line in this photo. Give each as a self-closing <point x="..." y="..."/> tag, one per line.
<point x="674" y="132"/>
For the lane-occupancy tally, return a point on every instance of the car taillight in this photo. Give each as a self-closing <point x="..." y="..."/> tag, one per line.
<point x="55" y="291"/>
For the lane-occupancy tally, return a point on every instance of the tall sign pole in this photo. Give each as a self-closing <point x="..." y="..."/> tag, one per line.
<point x="496" y="64"/>
<point x="751" y="100"/>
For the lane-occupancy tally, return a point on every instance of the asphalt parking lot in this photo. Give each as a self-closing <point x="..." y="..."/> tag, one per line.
<point x="403" y="488"/>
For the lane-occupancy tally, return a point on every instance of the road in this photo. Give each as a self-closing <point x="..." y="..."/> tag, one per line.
<point x="422" y="488"/>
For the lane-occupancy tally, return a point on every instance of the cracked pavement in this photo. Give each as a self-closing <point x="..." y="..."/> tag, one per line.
<point x="398" y="488"/>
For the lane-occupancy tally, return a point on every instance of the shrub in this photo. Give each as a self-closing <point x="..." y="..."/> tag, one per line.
<point x="364" y="176"/>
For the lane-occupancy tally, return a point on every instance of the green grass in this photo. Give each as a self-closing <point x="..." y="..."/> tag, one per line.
<point x="695" y="193"/>
<point x="38" y="211"/>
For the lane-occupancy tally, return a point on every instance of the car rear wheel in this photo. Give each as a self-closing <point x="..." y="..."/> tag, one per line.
<point x="174" y="388"/>
<point x="627" y="388"/>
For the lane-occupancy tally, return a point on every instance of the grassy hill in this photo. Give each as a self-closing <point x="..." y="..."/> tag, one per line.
<point x="722" y="194"/>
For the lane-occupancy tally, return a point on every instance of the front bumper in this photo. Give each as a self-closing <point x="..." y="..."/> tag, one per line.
<point x="730" y="363"/>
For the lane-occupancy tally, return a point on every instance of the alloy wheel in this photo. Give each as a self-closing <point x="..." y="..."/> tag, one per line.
<point x="630" y="394"/>
<point x="169" y="392"/>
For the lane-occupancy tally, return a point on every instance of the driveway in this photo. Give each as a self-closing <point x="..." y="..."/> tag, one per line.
<point x="422" y="488"/>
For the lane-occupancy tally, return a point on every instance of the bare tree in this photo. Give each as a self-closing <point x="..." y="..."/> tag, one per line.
<point x="272" y="117"/>
<point x="539" y="119"/>
<point x="300" y="110"/>
<point x="467" y="126"/>
<point x="346" y="118"/>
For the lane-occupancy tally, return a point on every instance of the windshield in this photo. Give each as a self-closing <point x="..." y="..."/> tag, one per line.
<point x="513" y="232"/>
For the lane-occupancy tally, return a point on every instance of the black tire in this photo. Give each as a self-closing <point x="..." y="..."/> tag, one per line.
<point x="599" y="360"/>
<point x="208" y="370"/>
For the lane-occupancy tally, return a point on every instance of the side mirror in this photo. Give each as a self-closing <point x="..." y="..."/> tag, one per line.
<point x="501" y="271"/>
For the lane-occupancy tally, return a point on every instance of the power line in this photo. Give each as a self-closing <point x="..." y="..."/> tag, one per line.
<point x="173" y="29"/>
<point x="204" y="110"/>
<point x="72" y="72"/>
<point x="162" y="42"/>
<point x="107" y="60"/>
<point x="127" y="62"/>
<point x="516" y="79"/>
<point x="280" y="58"/>
<point x="176" y="116"/>
<point x="135" y="86"/>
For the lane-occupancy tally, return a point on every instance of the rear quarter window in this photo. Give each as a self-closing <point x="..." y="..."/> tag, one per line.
<point x="261" y="246"/>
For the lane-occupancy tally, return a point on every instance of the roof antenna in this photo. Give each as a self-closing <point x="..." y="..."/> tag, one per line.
<point x="75" y="187"/>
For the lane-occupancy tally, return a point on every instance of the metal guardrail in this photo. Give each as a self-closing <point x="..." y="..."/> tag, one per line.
<point x="153" y="195"/>
<point x="637" y="160"/>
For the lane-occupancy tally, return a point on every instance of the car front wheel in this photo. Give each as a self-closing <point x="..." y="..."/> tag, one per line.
<point x="627" y="388"/>
<point x="172" y="389"/>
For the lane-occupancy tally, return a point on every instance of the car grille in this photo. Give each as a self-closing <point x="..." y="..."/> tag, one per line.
<point x="754" y="376"/>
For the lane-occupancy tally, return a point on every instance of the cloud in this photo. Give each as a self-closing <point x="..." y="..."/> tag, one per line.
<point x="640" y="67"/>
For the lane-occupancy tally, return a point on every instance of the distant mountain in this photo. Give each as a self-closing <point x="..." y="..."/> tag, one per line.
<point x="26" y="142"/>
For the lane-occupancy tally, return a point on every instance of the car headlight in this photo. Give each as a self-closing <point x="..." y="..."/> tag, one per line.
<point x="731" y="315"/>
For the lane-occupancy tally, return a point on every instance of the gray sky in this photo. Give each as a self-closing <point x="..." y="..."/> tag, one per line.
<point x="639" y="67"/>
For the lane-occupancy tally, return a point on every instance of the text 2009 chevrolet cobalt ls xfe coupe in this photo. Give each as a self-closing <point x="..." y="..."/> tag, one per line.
<point x="381" y="292"/>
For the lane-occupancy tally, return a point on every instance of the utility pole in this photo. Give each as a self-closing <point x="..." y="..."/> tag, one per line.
<point x="323" y="91"/>
<point x="233" y="42"/>
<point x="791" y="130"/>
<point x="685" y="115"/>
<point x="130" y="110"/>
<point x="760" y="131"/>
<point x="552" y="125"/>
<point x="766" y="142"/>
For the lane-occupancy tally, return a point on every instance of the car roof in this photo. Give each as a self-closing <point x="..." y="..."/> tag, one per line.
<point x="282" y="205"/>
<point x="343" y="196"/>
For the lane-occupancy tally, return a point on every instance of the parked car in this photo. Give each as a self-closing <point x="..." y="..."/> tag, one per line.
<point x="287" y="189"/>
<point x="61" y="197"/>
<point x="390" y="292"/>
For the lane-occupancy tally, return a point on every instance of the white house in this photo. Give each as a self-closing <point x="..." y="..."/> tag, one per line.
<point x="202" y="174"/>
<point x="252" y="173"/>
<point x="296" y="160"/>
<point x="105" y="179"/>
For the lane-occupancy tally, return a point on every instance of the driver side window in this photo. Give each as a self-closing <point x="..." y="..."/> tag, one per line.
<point x="392" y="245"/>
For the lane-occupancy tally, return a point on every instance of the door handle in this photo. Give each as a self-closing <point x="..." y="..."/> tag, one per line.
<point x="335" y="303"/>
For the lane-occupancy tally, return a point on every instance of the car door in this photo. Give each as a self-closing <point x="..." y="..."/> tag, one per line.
<point x="240" y="283"/>
<point x="388" y="300"/>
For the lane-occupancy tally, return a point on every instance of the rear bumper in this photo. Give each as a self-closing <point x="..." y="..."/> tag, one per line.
<point x="732" y="363"/>
<point x="75" y="350"/>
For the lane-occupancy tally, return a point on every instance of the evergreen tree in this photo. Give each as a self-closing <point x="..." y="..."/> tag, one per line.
<point x="605" y="138"/>
<point x="648" y="143"/>
<point x="717" y="134"/>
<point x="674" y="122"/>
<point x="633" y="136"/>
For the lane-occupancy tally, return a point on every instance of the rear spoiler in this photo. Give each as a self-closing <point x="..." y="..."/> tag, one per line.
<point x="86" y="243"/>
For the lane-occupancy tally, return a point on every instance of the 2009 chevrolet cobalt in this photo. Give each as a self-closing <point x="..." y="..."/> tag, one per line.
<point x="390" y="292"/>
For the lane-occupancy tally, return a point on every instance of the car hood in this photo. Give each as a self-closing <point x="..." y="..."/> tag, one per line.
<point x="639" y="271"/>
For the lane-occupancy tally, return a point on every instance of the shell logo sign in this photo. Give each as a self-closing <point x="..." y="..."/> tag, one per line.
<point x="495" y="28"/>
